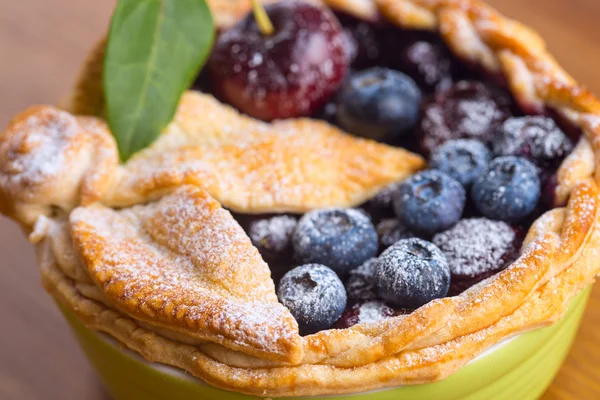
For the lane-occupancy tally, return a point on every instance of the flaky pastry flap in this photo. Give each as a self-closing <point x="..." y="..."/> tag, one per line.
<point x="256" y="167"/>
<point x="183" y="263"/>
<point x="53" y="158"/>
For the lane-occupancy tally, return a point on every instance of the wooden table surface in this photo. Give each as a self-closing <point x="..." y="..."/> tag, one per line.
<point x="42" y="43"/>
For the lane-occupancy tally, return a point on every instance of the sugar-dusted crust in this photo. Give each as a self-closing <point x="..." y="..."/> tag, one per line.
<point x="52" y="159"/>
<point x="256" y="167"/>
<point x="184" y="263"/>
<point x="559" y="256"/>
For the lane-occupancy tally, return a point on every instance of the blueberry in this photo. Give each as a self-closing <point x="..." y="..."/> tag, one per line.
<point x="314" y="295"/>
<point x="429" y="63"/>
<point x="508" y="190"/>
<point x="379" y="103"/>
<point x="462" y="159"/>
<point x="536" y="138"/>
<point x="340" y="238"/>
<point x="411" y="273"/>
<point x="390" y="231"/>
<point x="429" y="202"/>
<point x="272" y="236"/>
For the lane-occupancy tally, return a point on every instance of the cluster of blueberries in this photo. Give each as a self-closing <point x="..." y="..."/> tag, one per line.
<point x="499" y="179"/>
<point x="416" y="240"/>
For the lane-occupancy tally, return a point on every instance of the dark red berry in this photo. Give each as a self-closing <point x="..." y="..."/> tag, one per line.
<point x="536" y="138"/>
<point x="292" y="72"/>
<point x="428" y="64"/>
<point x="476" y="249"/>
<point x="468" y="110"/>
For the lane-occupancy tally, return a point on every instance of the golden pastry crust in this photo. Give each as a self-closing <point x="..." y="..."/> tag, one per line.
<point x="256" y="167"/>
<point x="185" y="264"/>
<point x="543" y="306"/>
<point x="53" y="159"/>
<point x="559" y="256"/>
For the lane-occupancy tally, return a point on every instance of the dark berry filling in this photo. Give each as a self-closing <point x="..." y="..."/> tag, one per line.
<point x="477" y="248"/>
<point x="538" y="139"/>
<point x="467" y="110"/>
<point x="390" y="231"/>
<point x="429" y="63"/>
<point x="273" y="236"/>
<point x="492" y="170"/>
<point x="360" y="283"/>
<point x="365" y="313"/>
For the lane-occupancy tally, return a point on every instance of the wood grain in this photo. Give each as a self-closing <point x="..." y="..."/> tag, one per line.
<point x="42" y="43"/>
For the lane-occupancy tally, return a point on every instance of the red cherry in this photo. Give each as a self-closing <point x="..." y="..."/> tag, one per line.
<point x="292" y="72"/>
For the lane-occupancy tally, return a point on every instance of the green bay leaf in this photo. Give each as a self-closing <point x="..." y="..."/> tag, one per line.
<point x="155" y="49"/>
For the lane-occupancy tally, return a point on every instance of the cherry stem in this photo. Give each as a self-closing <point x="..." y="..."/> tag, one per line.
<point x="262" y="19"/>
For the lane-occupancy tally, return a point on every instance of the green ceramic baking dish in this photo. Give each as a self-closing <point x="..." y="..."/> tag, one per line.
<point x="518" y="369"/>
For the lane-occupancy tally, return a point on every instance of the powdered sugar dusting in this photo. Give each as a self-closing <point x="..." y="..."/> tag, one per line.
<point x="184" y="261"/>
<point x="373" y="311"/>
<point x="39" y="147"/>
<point x="476" y="246"/>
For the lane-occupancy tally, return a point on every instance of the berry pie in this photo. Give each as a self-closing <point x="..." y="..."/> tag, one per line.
<point x="368" y="195"/>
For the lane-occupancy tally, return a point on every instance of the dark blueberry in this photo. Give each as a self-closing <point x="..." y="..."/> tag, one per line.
<point x="314" y="295"/>
<point x="468" y="110"/>
<point x="508" y="190"/>
<point x="462" y="159"/>
<point x="411" y="273"/>
<point x="290" y="73"/>
<point x="428" y="63"/>
<point x="273" y="236"/>
<point x="378" y="103"/>
<point x="364" y="313"/>
<point x="340" y="238"/>
<point x="476" y="249"/>
<point x="535" y="138"/>
<point x="430" y="202"/>
<point x="381" y="206"/>
<point x="360" y="284"/>
<point x="390" y="231"/>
